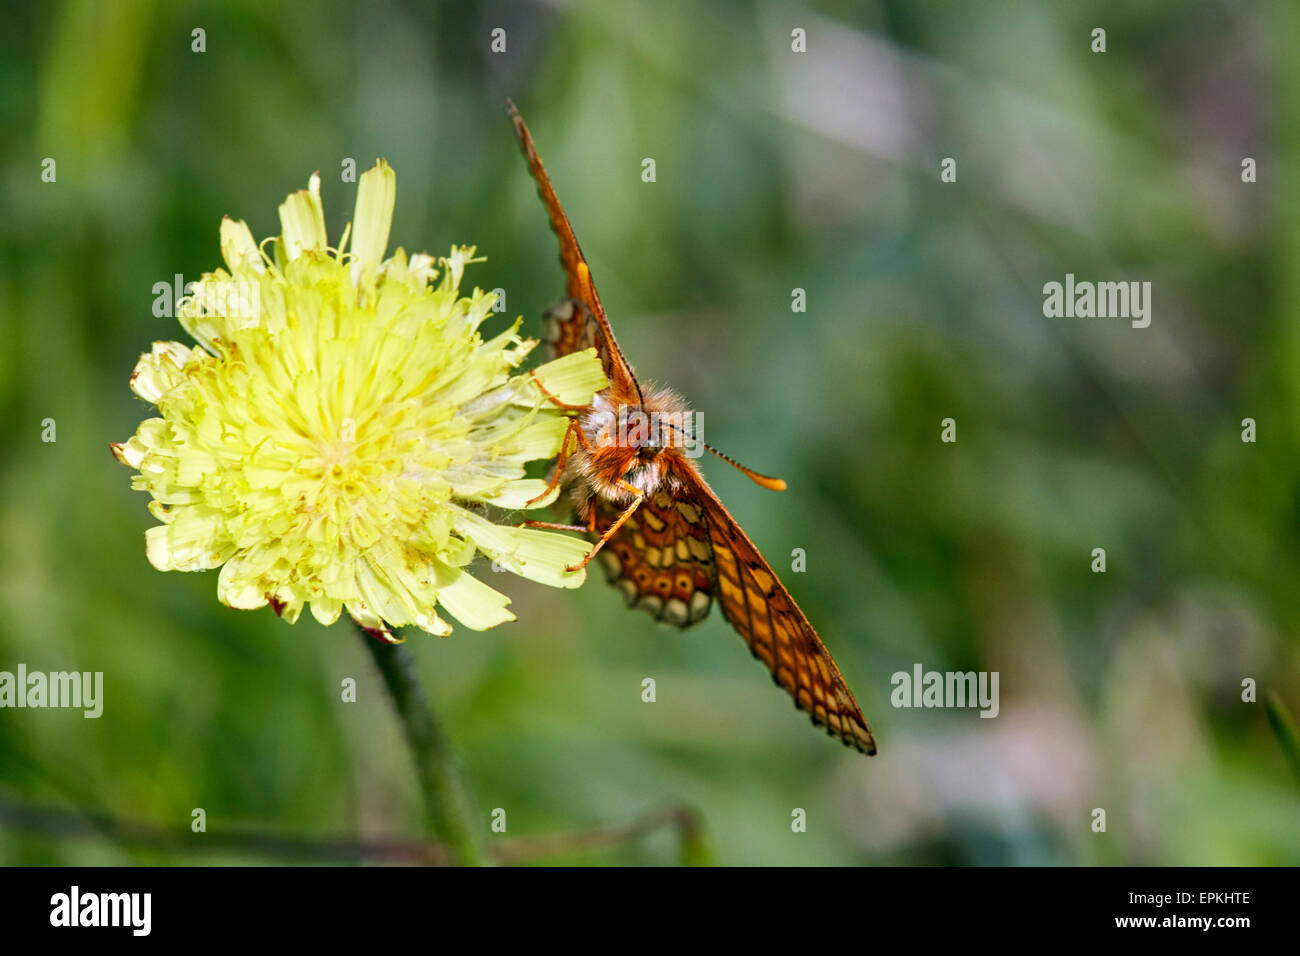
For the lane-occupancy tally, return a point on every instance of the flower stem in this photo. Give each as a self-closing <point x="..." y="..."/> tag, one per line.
<point x="447" y="808"/>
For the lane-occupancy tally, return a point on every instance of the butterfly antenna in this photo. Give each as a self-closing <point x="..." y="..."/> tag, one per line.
<point x="765" y="481"/>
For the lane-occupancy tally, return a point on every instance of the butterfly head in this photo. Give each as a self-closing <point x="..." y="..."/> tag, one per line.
<point x="636" y="443"/>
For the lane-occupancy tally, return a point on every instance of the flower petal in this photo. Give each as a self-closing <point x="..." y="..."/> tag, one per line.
<point x="376" y="196"/>
<point x="572" y="379"/>
<point x="159" y="371"/>
<point x="540" y="556"/>
<point x="473" y="603"/>
<point x="238" y="247"/>
<point x="302" y="220"/>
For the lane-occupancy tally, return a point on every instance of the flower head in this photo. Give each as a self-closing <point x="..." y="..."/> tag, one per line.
<point x="336" y="434"/>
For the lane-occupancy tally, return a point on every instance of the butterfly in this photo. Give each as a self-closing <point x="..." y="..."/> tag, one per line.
<point x="663" y="537"/>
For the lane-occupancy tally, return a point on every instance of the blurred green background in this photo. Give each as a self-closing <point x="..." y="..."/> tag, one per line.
<point x="775" y="170"/>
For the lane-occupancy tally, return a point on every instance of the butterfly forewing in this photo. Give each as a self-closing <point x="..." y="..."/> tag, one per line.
<point x="778" y="633"/>
<point x="678" y="552"/>
<point x="584" y="303"/>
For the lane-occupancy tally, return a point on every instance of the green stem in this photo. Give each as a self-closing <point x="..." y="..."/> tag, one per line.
<point x="446" y="802"/>
<point x="1279" y="718"/>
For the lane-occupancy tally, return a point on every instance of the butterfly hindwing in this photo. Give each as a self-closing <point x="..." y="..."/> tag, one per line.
<point x="661" y="560"/>
<point x="569" y="326"/>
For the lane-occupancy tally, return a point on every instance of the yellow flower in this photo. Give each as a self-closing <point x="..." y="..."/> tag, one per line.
<point x="336" y="434"/>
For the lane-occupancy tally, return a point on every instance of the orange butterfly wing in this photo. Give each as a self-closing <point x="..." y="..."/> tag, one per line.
<point x="578" y="326"/>
<point x="778" y="633"/>
<point x="661" y="560"/>
<point x="678" y="552"/>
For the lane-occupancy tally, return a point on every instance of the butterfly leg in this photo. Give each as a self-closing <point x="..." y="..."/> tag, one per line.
<point x="609" y="532"/>
<point x="553" y="525"/>
<point x="589" y="527"/>
<point x="573" y="428"/>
